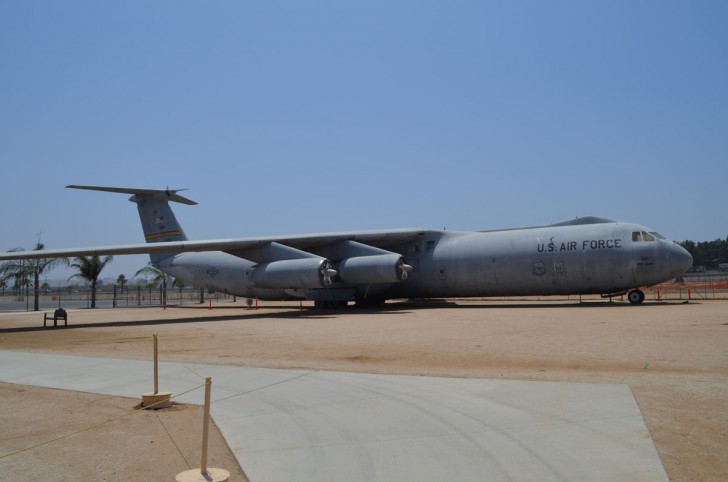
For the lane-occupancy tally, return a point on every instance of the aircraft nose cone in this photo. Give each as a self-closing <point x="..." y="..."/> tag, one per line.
<point x="680" y="260"/>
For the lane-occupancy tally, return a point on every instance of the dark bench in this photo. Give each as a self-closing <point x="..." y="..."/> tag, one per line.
<point x="59" y="314"/>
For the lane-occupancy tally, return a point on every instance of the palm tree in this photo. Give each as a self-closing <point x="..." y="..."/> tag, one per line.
<point x="16" y="269"/>
<point x="180" y="285"/>
<point x="24" y="269"/>
<point x="89" y="268"/>
<point x="158" y="277"/>
<point x="121" y="281"/>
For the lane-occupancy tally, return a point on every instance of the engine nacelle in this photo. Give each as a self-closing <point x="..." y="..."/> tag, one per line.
<point x="380" y="268"/>
<point x="293" y="273"/>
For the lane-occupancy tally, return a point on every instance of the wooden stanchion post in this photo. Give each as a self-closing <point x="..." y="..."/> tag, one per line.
<point x="205" y="425"/>
<point x="205" y="474"/>
<point x="156" y="399"/>
<point x="156" y="364"/>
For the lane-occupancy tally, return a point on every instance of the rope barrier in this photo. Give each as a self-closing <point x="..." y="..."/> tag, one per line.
<point x="96" y="425"/>
<point x="177" y="362"/>
<point x="135" y="410"/>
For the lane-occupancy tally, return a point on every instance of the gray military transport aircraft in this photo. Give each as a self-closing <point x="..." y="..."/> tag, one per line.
<point x="586" y="255"/>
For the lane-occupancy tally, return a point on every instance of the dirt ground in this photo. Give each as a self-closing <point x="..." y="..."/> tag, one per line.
<point x="145" y="445"/>
<point x="673" y="355"/>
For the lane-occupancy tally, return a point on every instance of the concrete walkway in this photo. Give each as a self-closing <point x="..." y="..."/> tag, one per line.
<point x="285" y="425"/>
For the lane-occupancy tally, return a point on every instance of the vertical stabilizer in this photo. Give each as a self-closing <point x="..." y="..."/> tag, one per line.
<point x="158" y="221"/>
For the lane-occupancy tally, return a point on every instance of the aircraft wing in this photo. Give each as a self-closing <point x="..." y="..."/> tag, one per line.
<point x="241" y="247"/>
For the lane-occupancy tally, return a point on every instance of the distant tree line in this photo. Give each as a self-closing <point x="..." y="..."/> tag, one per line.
<point x="708" y="253"/>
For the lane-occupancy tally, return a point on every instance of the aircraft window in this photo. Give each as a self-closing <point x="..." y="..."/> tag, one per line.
<point x="647" y="236"/>
<point x="657" y="235"/>
<point x="636" y="236"/>
<point x="430" y="245"/>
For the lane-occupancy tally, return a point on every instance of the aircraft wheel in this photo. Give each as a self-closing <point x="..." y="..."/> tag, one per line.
<point x="636" y="297"/>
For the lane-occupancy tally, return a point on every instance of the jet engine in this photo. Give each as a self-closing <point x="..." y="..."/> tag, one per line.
<point x="381" y="268"/>
<point x="293" y="273"/>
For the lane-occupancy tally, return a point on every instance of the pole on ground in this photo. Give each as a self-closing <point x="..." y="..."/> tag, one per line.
<point x="204" y="473"/>
<point x="205" y="425"/>
<point x="156" y="364"/>
<point x="156" y="399"/>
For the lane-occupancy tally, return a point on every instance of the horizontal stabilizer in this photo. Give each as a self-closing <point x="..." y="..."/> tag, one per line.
<point x="168" y="194"/>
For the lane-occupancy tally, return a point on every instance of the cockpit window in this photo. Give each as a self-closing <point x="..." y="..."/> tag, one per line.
<point x="657" y="235"/>
<point x="644" y="236"/>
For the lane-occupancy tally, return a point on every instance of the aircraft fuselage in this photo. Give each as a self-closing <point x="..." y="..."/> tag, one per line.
<point x="582" y="256"/>
<point x="599" y="258"/>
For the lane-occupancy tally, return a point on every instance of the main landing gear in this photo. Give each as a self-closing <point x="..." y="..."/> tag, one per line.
<point x="636" y="297"/>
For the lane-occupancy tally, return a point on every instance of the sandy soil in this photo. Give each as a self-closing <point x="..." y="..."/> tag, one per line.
<point x="145" y="445"/>
<point x="674" y="356"/>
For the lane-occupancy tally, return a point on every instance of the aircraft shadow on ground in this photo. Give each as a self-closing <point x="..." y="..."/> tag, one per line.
<point x="246" y="315"/>
<point x="526" y="304"/>
<point x="572" y="305"/>
<point x="309" y="313"/>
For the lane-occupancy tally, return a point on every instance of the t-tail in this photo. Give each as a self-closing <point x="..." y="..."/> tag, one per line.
<point x="158" y="221"/>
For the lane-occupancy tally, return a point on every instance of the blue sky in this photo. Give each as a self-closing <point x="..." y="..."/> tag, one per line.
<point x="287" y="117"/>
